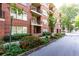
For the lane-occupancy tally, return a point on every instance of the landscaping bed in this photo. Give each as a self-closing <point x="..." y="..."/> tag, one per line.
<point x="28" y="44"/>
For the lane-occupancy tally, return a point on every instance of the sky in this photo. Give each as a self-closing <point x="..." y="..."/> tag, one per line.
<point x="59" y="3"/>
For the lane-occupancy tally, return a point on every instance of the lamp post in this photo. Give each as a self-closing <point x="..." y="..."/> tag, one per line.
<point x="10" y="37"/>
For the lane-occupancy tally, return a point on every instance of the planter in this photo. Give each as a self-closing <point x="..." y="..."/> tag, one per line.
<point x="34" y="49"/>
<point x="30" y="51"/>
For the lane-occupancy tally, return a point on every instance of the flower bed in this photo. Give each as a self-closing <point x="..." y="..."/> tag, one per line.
<point x="15" y="37"/>
<point x="27" y="43"/>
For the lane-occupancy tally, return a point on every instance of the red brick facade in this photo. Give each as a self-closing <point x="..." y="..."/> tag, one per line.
<point x="37" y="18"/>
<point x="5" y="25"/>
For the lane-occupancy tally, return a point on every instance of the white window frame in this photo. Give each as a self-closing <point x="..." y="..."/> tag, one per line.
<point x="19" y="30"/>
<point x="12" y="13"/>
<point x="24" y="16"/>
<point x="24" y="29"/>
<point x="13" y="30"/>
<point x="45" y="21"/>
<point x="17" y="16"/>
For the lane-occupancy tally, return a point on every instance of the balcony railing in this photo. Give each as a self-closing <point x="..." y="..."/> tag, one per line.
<point x="36" y="9"/>
<point x="36" y="22"/>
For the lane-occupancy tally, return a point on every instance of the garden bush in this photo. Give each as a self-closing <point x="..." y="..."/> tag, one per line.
<point x="1" y="41"/>
<point x="14" y="50"/>
<point x="57" y="35"/>
<point x="46" y="33"/>
<point x="31" y="42"/>
<point x="44" y="40"/>
<point x="15" y="37"/>
<point x="2" y="50"/>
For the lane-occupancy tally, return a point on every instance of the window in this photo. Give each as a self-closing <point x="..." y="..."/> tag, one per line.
<point x="13" y="30"/>
<point x="24" y="29"/>
<point x="24" y="16"/>
<point x="19" y="16"/>
<point x="18" y="30"/>
<point x="45" y="21"/>
<point x="13" y="14"/>
<point x="37" y="29"/>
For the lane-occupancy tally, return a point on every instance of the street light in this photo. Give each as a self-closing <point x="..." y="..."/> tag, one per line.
<point x="10" y="32"/>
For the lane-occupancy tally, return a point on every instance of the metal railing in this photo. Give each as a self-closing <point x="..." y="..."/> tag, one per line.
<point x="34" y="21"/>
<point x="36" y="9"/>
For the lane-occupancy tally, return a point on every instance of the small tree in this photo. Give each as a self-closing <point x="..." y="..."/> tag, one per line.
<point x="14" y="8"/>
<point x="69" y="11"/>
<point x="51" y="21"/>
<point x="66" y="23"/>
<point x="77" y="21"/>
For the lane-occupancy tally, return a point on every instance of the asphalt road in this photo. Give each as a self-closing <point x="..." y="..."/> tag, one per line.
<point x="66" y="46"/>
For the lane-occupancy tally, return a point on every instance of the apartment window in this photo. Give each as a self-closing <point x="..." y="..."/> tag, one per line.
<point x="18" y="30"/>
<point x="1" y="12"/>
<point x="13" y="30"/>
<point x="45" y="21"/>
<point x="37" y="29"/>
<point x="24" y="29"/>
<point x="45" y="12"/>
<point x="19" y="16"/>
<point x="24" y="16"/>
<point x="13" y="14"/>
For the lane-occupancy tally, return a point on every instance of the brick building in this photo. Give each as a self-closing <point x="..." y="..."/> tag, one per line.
<point x="33" y="20"/>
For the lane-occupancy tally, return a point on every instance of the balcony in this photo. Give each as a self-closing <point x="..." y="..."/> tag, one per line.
<point x="36" y="22"/>
<point x="2" y="15"/>
<point x="37" y="30"/>
<point x="36" y="10"/>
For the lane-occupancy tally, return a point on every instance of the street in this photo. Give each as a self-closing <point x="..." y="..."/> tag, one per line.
<point x="65" y="46"/>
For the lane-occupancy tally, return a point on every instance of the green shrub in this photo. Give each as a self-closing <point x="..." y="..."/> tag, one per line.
<point x="45" y="41"/>
<point x="30" y="42"/>
<point x="46" y="33"/>
<point x="14" y="50"/>
<point x="63" y="34"/>
<point x="15" y="37"/>
<point x="57" y="35"/>
<point x="1" y="41"/>
<point x="2" y="50"/>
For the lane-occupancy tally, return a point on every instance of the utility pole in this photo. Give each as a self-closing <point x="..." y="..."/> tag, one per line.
<point x="10" y="36"/>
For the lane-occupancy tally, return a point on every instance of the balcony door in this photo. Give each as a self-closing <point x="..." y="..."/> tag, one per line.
<point x="0" y="10"/>
<point x="37" y="29"/>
